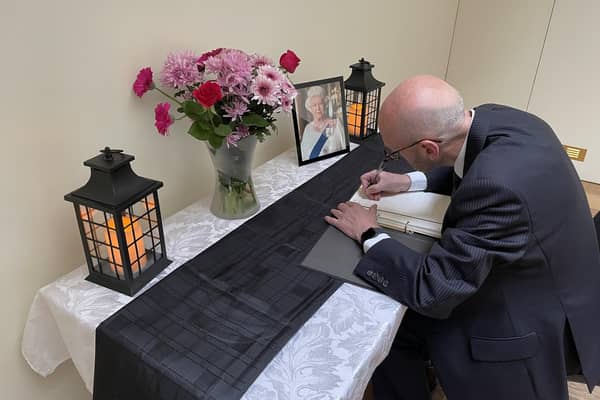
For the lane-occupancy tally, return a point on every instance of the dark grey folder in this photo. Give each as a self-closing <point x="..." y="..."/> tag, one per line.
<point x="336" y="254"/>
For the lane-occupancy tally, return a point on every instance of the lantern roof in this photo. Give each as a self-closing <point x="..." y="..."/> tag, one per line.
<point x="112" y="185"/>
<point x="361" y="78"/>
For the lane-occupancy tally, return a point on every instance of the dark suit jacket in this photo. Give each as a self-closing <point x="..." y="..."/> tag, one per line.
<point x="517" y="263"/>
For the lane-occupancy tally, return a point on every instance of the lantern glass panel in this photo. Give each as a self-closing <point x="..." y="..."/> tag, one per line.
<point x="141" y="233"/>
<point x="371" y="114"/>
<point x="362" y="109"/>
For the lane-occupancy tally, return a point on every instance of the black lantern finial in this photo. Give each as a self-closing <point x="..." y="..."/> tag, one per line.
<point x="108" y="153"/>
<point x="363" y="96"/>
<point x="120" y="223"/>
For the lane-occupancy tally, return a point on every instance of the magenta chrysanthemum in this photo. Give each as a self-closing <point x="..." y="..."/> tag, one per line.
<point x="265" y="91"/>
<point x="180" y="70"/>
<point x="162" y="118"/>
<point x="143" y="82"/>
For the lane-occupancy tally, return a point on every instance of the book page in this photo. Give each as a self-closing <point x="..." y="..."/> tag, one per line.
<point x="421" y="212"/>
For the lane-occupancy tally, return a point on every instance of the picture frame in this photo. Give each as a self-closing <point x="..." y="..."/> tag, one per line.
<point x="320" y="122"/>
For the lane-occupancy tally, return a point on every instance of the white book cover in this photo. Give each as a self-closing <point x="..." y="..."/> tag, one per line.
<point x="420" y="212"/>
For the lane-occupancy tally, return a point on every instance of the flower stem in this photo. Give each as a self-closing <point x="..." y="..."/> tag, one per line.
<point x="169" y="96"/>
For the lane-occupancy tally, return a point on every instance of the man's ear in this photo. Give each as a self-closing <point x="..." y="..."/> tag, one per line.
<point x="431" y="148"/>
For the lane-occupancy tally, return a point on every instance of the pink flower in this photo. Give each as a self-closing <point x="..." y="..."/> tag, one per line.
<point x="288" y="88"/>
<point x="162" y="118"/>
<point x="232" y="140"/>
<point x="231" y="80"/>
<point x="143" y="82"/>
<point x="208" y="54"/>
<point x="242" y="131"/>
<point x="260" y="60"/>
<point x="286" y="104"/>
<point x="289" y="61"/>
<point x="265" y="91"/>
<point x="235" y="109"/>
<point x="208" y="93"/>
<point x="230" y="61"/>
<point x="270" y="72"/>
<point x="180" y="70"/>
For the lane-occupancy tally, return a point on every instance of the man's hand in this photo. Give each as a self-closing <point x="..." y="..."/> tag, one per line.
<point x="352" y="219"/>
<point x="375" y="185"/>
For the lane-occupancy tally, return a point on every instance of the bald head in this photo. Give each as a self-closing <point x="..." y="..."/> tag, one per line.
<point x="421" y="107"/>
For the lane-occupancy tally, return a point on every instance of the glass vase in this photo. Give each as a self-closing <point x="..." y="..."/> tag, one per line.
<point x="234" y="196"/>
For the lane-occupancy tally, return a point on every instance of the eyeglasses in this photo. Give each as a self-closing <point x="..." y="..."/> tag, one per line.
<point x="395" y="155"/>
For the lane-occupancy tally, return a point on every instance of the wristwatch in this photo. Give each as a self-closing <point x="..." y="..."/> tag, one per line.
<point x="369" y="234"/>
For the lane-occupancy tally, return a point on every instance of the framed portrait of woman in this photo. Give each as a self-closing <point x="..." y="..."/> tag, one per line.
<point x="319" y="115"/>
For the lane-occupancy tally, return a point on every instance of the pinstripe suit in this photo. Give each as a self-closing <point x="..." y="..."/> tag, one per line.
<point x="516" y="270"/>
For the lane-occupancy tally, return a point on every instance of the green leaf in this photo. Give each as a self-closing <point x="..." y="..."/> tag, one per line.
<point x="216" y="118"/>
<point x="215" y="141"/>
<point x="194" y="110"/>
<point x="223" y="130"/>
<point x="254" y="120"/>
<point x="199" y="131"/>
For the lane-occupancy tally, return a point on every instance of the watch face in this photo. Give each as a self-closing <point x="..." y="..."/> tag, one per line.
<point x="366" y="235"/>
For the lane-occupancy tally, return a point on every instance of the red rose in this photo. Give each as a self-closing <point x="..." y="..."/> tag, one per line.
<point x="208" y="93"/>
<point x="289" y="61"/>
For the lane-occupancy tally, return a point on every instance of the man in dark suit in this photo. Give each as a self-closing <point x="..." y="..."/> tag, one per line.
<point x="506" y="304"/>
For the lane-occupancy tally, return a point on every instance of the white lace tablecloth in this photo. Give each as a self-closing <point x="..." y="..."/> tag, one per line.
<point x="331" y="357"/>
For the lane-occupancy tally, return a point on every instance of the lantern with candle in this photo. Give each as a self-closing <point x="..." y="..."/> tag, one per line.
<point x="120" y="224"/>
<point x="363" y="96"/>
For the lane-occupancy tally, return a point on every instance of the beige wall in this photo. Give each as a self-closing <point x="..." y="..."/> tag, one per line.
<point x="496" y="48"/>
<point x="66" y="74"/>
<point x="538" y="55"/>
<point x="567" y="84"/>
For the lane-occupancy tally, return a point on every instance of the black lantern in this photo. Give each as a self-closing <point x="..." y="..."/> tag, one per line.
<point x="363" y="95"/>
<point x="120" y="224"/>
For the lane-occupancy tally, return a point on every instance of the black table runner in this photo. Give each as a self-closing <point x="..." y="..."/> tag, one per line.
<point x="209" y="328"/>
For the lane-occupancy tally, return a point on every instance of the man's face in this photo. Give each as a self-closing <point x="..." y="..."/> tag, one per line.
<point x="396" y="146"/>
<point x="316" y="107"/>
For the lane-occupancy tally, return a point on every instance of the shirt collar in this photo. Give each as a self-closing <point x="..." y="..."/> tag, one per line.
<point x="459" y="164"/>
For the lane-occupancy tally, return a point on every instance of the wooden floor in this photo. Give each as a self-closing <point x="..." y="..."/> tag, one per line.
<point x="577" y="391"/>
<point x="592" y="190"/>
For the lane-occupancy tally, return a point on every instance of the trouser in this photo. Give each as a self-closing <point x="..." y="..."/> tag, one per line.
<point x="402" y="375"/>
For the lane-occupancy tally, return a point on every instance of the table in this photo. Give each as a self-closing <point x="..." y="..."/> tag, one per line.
<point x="332" y="355"/>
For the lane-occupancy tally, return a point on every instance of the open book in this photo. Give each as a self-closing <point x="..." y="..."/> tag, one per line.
<point x="419" y="212"/>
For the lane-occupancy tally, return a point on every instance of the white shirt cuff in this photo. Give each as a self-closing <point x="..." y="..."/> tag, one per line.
<point x="418" y="181"/>
<point x="374" y="240"/>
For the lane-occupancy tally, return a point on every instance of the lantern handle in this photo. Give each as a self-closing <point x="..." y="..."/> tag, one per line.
<point x="108" y="153"/>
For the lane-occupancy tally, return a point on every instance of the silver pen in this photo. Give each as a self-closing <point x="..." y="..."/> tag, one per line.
<point x="376" y="177"/>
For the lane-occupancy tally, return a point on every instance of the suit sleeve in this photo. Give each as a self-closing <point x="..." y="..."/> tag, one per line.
<point x="488" y="228"/>
<point x="439" y="180"/>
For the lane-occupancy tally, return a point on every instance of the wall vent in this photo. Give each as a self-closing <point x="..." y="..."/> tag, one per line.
<point x="575" y="153"/>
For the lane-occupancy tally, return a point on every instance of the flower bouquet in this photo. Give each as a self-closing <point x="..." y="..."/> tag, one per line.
<point x="230" y="97"/>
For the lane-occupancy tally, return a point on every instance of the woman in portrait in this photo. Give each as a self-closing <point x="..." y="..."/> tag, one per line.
<point x="324" y="134"/>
